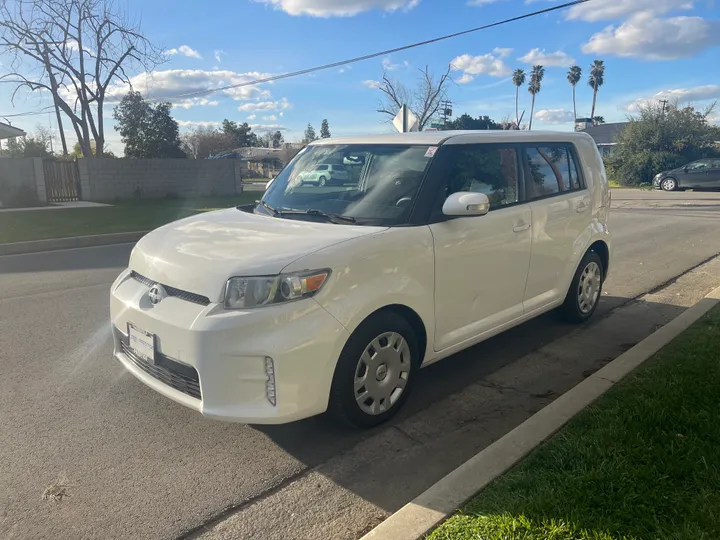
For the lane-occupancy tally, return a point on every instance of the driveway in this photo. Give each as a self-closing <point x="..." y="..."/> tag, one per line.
<point x="139" y="466"/>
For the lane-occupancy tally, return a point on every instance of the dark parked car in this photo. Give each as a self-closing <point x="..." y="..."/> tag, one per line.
<point x="700" y="174"/>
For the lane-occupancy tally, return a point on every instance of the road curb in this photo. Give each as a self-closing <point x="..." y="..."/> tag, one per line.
<point x="438" y="502"/>
<point x="37" y="246"/>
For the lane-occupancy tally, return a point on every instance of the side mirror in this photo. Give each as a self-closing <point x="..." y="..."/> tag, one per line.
<point x="466" y="203"/>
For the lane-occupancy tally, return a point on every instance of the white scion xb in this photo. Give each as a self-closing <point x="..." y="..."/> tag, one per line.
<point x="332" y="298"/>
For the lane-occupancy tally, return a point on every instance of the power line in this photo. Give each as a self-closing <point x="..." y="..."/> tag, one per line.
<point x="29" y="113"/>
<point x="372" y="55"/>
<point x="358" y="58"/>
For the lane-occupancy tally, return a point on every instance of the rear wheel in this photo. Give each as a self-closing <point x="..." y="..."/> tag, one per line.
<point x="669" y="184"/>
<point x="584" y="295"/>
<point x="374" y="372"/>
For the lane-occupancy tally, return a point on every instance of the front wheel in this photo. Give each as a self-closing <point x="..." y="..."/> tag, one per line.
<point x="321" y="181"/>
<point x="584" y="295"/>
<point x="669" y="184"/>
<point x="375" y="371"/>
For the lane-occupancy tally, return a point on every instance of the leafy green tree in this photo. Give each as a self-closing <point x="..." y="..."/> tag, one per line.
<point x="148" y="131"/>
<point x="309" y="134"/>
<point x="324" y="129"/>
<point x="536" y="76"/>
<point x="28" y="146"/>
<point x="77" y="152"/>
<point x="518" y="80"/>
<point x="574" y="75"/>
<point x="598" y="120"/>
<point x="658" y="140"/>
<point x="596" y="80"/>
<point x="467" y="122"/>
<point x="241" y="135"/>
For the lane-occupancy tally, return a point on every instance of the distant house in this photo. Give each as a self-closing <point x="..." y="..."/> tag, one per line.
<point x="8" y="132"/>
<point x="603" y="134"/>
<point x="263" y="162"/>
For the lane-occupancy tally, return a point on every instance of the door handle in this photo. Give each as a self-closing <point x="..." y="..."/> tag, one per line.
<point x="520" y="227"/>
<point x="581" y="207"/>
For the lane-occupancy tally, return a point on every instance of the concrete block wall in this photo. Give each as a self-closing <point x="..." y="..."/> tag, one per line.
<point x="108" y="179"/>
<point x="17" y="174"/>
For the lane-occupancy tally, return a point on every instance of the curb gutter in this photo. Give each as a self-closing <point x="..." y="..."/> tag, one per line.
<point x="36" y="246"/>
<point x="442" y="499"/>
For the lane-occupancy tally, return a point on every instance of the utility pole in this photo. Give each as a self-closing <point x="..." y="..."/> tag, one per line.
<point x="445" y="110"/>
<point x="664" y="104"/>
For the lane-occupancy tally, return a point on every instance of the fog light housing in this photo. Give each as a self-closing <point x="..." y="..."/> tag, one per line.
<point x="270" y="382"/>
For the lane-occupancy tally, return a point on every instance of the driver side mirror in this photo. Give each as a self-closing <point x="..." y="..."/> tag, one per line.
<point x="466" y="203"/>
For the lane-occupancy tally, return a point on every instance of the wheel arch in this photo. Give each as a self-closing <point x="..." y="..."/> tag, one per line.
<point x="603" y="251"/>
<point x="412" y="318"/>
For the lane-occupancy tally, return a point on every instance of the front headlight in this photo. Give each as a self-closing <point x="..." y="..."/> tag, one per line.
<point x="252" y="292"/>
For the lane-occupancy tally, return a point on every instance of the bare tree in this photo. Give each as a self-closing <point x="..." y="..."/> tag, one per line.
<point x="76" y="50"/>
<point x="423" y="100"/>
<point x="203" y="142"/>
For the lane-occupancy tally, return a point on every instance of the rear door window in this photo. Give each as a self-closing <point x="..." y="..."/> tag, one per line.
<point x="550" y="170"/>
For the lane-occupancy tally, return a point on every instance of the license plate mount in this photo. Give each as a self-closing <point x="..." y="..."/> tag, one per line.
<point x="142" y="343"/>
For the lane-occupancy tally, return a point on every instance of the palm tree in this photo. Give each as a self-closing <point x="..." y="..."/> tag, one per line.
<point x="518" y="80"/>
<point x="596" y="80"/>
<point x="536" y="77"/>
<point x="574" y="75"/>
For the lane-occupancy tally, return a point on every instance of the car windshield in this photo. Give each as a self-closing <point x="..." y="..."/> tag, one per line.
<point x="379" y="184"/>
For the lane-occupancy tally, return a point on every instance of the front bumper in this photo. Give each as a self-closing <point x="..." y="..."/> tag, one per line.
<point x="214" y="361"/>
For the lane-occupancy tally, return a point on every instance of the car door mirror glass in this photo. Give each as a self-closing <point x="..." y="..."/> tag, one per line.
<point x="466" y="203"/>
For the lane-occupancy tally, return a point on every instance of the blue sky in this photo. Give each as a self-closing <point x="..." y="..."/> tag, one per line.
<point x="652" y="49"/>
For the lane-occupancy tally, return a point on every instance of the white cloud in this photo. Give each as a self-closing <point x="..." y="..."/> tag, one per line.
<point x="617" y="9"/>
<point x="218" y="54"/>
<point x="554" y="116"/>
<point x="270" y="118"/>
<point x="389" y="66"/>
<point x="502" y="52"/>
<point x="338" y="8"/>
<point x="487" y="64"/>
<point x="650" y="38"/>
<point x="553" y="59"/>
<point x="345" y="69"/>
<point x="267" y="127"/>
<point x="371" y="84"/>
<point x="186" y="51"/>
<point x="252" y="117"/>
<point x="196" y="102"/>
<point x="265" y="105"/>
<point x="197" y="123"/>
<point x="173" y="82"/>
<point x="679" y="95"/>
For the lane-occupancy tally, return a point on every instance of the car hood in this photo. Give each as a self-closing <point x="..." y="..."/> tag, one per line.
<point x="198" y="254"/>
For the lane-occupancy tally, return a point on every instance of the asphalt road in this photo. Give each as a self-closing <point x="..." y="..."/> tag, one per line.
<point x="136" y="465"/>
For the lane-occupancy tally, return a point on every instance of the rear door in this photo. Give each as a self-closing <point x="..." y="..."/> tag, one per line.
<point x="714" y="174"/>
<point x="561" y="208"/>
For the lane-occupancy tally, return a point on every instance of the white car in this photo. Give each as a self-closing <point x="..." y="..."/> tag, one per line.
<point x="325" y="174"/>
<point x="318" y="300"/>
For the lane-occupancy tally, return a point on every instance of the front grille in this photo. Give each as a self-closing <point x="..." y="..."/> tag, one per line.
<point x="176" y="375"/>
<point x="172" y="291"/>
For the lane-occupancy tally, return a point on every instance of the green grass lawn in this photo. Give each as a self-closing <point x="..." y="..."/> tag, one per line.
<point x="125" y="216"/>
<point x="643" y="462"/>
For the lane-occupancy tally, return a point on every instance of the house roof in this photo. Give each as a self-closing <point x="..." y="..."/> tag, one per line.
<point x="7" y="131"/>
<point x="605" y="133"/>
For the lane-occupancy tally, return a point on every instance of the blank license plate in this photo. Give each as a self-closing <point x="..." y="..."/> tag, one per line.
<point x="142" y="343"/>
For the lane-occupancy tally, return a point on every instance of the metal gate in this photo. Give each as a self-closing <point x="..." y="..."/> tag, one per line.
<point x="62" y="180"/>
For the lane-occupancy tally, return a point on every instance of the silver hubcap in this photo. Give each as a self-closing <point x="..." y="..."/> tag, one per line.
<point x="382" y="373"/>
<point x="668" y="184"/>
<point x="589" y="287"/>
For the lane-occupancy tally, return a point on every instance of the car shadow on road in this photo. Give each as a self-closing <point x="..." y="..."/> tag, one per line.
<point x="316" y="440"/>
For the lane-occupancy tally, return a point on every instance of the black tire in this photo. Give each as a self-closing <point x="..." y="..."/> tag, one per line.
<point x="668" y="184"/>
<point x="342" y="404"/>
<point x="321" y="181"/>
<point x="571" y="311"/>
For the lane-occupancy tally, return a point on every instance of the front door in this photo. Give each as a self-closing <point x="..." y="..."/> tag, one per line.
<point x="561" y="211"/>
<point x="481" y="262"/>
<point x="695" y="174"/>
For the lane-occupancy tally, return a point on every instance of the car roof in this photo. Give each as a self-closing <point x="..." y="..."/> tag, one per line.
<point x="457" y="137"/>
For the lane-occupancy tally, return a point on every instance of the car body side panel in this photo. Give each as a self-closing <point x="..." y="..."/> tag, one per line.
<point x="393" y="267"/>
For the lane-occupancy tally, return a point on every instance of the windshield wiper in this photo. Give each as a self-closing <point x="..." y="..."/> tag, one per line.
<point x="332" y="218"/>
<point x="273" y="211"/>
